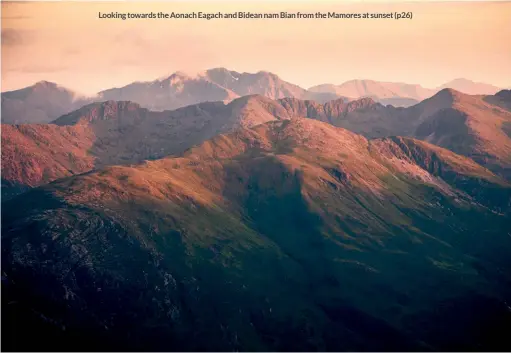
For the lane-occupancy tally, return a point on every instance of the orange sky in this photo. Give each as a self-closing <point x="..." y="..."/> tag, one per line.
<point x="67" y="43"/>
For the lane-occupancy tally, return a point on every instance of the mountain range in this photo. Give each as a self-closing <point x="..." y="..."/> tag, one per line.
<point x="46" y="101"/>
<point x="291" y="235"/>
<point x="111" y="133"/>
<point x="401" y="94"/>
<point x="230" y="211"/>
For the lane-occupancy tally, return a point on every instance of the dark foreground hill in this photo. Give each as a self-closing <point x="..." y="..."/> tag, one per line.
<point x="294" y="235"/>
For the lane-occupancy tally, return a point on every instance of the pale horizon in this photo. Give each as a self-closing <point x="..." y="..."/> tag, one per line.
<point x="67" y="44"/>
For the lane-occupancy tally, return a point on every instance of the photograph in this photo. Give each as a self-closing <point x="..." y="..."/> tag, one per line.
<point x="255" y="176"/>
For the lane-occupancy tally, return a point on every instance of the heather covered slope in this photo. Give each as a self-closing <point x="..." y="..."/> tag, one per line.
<point x="471" y="126"/>
<point x="292" y="235"/>
<point x="475" y="126"/>
<point x="37" y="154"/>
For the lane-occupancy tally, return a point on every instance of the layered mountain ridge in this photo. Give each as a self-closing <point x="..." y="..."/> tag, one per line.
<point x="46" y="101"/>
<point x="110" y="133"/>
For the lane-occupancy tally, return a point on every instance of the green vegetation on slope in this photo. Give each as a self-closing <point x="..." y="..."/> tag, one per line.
<point x="290" y="236"/>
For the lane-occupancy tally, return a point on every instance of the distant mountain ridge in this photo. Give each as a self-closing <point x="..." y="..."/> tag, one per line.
<point x="377" y="90"/>
<point x="401" y="94"/>
<point x="471" y="87"/>
<point x="217" y="84"/>
<point x="40" y="103"/>
<point x="46" y="101"/>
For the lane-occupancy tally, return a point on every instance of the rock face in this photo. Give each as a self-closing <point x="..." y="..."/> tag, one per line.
<point x="291" y="235"/>
<point x="40" y="103"/>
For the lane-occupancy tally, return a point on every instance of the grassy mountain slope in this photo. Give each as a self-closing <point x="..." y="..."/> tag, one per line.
<point x="292" y="235"/>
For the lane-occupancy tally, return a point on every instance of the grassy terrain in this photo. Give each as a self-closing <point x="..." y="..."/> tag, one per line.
<point x="290" y="236"/>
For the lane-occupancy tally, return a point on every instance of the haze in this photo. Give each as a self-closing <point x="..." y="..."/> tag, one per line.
<point x="67" y="43"/>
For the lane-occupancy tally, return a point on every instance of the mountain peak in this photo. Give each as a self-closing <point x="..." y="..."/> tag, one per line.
<point x="461" y="80"/>
<point x="504" y="94"/>
<point x="178" y="76"/>
<point x="448" y="93"/>
<point x="267" y="73"/>
<point x="44" y="83"/>
<point x="219" y="70"/>
<point x="99" y="111"/>
<point x="49" y="86"/>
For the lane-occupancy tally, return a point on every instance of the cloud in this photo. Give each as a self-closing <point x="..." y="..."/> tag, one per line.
<point x="17" y="17"/>
<point x="36" y="69"/>
<point x="132" y="38"/>
<point x="11" y="10"/>
<point x="14" y="37"/>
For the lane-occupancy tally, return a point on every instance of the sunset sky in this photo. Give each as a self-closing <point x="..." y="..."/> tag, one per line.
<point x="67" y="43"/>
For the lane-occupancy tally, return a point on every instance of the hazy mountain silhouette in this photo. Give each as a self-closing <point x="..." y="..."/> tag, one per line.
<point x="39" y="103"/>
<point x="470" y="87"/>
<point x="378" y="90"/>
<point x="46" y="101"/>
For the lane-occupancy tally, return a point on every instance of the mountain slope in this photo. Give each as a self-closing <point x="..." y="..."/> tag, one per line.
<point x="501" y="99"/>
<point x="293" y="235"/>
<point x="110" y="133"/>
<point x="262" y="83"/>
<point x="473" y="126"/>
<point x="113" y="133"/>
<point x="40" y="103"/>
<point x="468" y="125"/>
